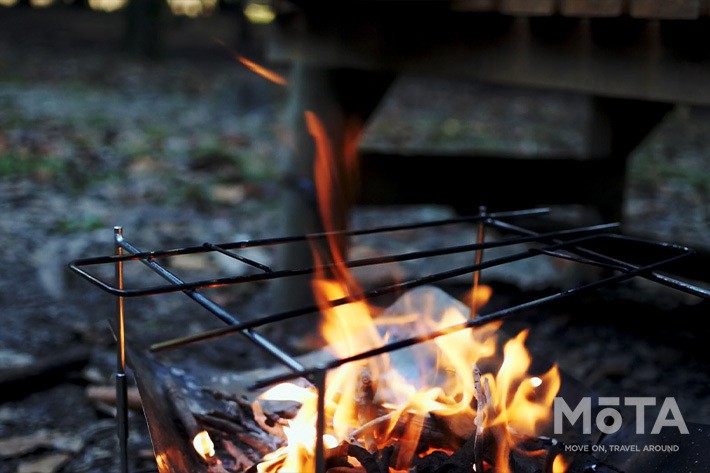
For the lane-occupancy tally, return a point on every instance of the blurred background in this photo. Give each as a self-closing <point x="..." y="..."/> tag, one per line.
<point x="141" y="114"/>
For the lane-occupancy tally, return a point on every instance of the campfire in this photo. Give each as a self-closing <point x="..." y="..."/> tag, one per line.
<point x="425" y="384"/>
<point x="417" y="405"/>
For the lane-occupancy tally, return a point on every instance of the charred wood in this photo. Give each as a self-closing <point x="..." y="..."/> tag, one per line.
<point x="248" y="435"/>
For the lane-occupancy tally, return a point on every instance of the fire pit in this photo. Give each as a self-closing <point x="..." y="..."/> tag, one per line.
<point x="421" y="384"/>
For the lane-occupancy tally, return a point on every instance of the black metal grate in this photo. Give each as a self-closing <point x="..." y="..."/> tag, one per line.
<point x="622" y="258"/>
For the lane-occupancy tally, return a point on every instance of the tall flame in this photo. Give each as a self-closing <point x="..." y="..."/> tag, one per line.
<point x="388" y="399"/>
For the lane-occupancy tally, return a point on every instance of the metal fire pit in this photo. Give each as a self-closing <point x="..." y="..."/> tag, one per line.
<point x="621" y="258"/>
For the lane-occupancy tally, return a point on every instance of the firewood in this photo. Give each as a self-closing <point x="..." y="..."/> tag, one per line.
<point x="364" y="396"/>
<point x="263" y="443"/>
<point x="217" y="468"/>
<point x="461" y="459"/>
<point x="241" y="459"/>
<point x="371" y="462"/>
<point x="489" y="439"/>
<point x="553" y="449"/>
<point x="366" y="459"/>
<point x="341" y="450"/>
<point x="372" y="425"/>
<point x="433" y="432"/>
<point x="181" y="407"/>
<point x="461" y="425"/>
<point x="239" y="399"/>
<point x="269" y="423"/>
<point x="365" y="406"/>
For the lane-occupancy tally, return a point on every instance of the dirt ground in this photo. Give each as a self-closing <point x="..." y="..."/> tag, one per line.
<point x="188" y="149"/>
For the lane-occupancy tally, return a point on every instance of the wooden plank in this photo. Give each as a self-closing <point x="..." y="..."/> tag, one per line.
<point x="642" y="69"/>
<point x="665" y="9"/>
<point x="592" y="8"/>
<point x="528" y="7"/>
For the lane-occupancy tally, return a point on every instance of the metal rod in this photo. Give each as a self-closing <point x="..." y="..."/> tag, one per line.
<point x="216" y="309"/>
<point x="380" y="291"/>
<point x="121" y="381"/>
<point x="265" y="276"/>
<point x="315" y="236"/>
<point x="318" y="380"/>
<point x="478" y="258"/>
<point x="652" y="276"/>
<point x="241" y="258"/>
<point x="471" y="323"/>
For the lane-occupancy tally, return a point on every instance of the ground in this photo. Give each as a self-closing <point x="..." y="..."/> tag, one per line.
<point x="189" y="148"/>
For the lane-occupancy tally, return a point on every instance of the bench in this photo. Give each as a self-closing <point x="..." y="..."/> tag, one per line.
<point x="634" y="59"/>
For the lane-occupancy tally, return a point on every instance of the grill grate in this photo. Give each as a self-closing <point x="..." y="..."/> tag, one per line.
<point x="620" y="257"/>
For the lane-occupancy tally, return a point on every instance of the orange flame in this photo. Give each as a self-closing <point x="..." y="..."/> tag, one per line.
<point x="254" y="67"/>
<point x="517" y="403"/>
<point x="559" y="465"/>
<point x="387" y="399"/>
<point x="262" y="71"/>
<point x="522" y="403"/>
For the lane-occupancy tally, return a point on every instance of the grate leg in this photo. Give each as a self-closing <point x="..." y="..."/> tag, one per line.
<point x="121" y="384"/>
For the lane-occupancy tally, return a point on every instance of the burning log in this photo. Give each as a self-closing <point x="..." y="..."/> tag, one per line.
<point x="365" y="396"/>
<point x="458" y="426"/>
<point x="433" y="431"/>
<point x="436" y="449"/>
<point x="491" y="442"/>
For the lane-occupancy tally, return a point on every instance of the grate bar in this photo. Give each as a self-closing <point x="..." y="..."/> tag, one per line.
<point x="310" y="237"/>
<point x="241" y="258"/>
<point x="216" y="309"/>
<point x="477" y="322"/>
<point x="372" y="294"/>
<point x="269" y="275"/>
<point x="653" y="276"/>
